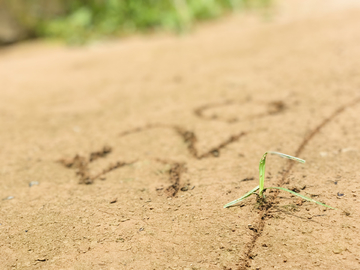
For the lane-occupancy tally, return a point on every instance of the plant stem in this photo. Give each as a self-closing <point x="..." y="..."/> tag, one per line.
<point x="262" y="175"/>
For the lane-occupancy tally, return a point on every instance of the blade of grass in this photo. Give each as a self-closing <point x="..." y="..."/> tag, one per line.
<point x="301" y="196"/>
<point x="287" y="156"/>
<point x="262" y="174"/>
<point x="242" y="198"/>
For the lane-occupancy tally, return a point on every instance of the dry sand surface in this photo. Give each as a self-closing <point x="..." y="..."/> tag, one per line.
<point x="137" y="144"/>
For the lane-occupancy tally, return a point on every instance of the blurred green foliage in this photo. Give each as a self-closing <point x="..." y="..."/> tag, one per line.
<point x="85" y="20"/>
<point x="80" y="21"/>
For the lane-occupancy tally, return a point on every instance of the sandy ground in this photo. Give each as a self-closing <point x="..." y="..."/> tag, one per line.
<point x="135" y="146"/>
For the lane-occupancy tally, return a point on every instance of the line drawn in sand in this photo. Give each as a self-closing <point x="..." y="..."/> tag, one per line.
<point x="81" y="164"/>
<point x="267" y="109"/>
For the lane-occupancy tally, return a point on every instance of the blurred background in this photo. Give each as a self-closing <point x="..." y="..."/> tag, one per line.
<point x="80" y="21"/>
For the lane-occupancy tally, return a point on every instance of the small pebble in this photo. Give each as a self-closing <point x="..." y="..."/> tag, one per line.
<point x="33" y="183"/>
<point x="141" y="229"/>
<point x="113" y="200"/>
<point x="8" y="198"/>
<point x="323" y="154"/>
<point x="340" y="194"/>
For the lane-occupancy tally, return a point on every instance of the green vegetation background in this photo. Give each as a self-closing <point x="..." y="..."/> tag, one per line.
<point x="78" y="21"/>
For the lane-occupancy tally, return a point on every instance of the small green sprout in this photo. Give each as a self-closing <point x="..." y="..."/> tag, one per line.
<point x="261" y="188"/>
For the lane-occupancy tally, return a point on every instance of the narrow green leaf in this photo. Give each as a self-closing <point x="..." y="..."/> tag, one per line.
<point x="242" y="198"/>
<point x="262" y="174"/>
<point x="301" y="196"/>
<point x="287" y="156"/>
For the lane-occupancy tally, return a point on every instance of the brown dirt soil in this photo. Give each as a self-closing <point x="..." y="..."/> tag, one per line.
<point x="136" y="145"/>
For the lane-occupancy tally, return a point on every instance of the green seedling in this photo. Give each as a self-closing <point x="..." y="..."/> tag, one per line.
<point x="261" y="188"/>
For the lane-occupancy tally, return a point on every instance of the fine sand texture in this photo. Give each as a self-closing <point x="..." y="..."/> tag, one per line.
<point x="122" y="154"/>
